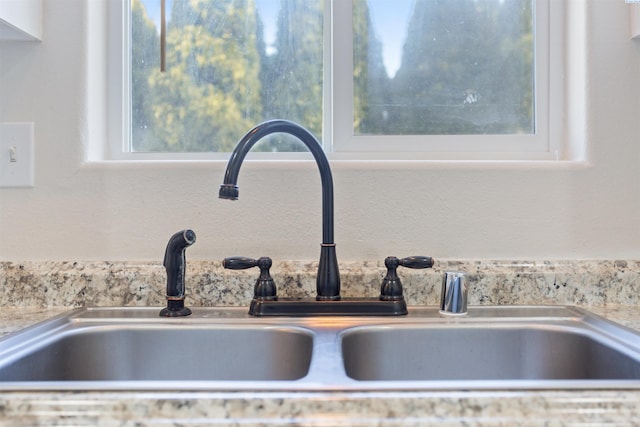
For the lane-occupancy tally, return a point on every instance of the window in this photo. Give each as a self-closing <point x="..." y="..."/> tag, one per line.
<point x="400" y="78"/>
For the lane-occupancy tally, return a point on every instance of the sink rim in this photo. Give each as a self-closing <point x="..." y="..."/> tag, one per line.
<point x="326" y="370"/>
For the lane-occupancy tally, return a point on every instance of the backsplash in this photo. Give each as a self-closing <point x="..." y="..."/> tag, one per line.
<point x="74" y="284"/>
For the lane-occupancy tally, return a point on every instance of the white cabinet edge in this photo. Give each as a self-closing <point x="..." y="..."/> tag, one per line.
<point x="634" y="21"/>
<point x="21" y="20"/>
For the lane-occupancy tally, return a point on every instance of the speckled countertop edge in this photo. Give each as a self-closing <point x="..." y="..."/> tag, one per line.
<point x="36" y="291"/>
<point x="498" y="408"/>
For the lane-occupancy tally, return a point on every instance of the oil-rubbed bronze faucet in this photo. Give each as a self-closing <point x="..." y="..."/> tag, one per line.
<point x="328" y="279"/>
<point x="328" y="300"/>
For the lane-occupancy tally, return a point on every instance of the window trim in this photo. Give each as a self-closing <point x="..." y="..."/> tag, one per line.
<point x="339" y="141"/>
<point x="118" y="63"/>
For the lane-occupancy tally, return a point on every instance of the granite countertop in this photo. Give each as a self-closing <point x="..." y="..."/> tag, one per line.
<point x="601" y="287"/>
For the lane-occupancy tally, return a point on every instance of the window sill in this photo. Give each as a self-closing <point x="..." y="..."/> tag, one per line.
<point x="341" y="164"/>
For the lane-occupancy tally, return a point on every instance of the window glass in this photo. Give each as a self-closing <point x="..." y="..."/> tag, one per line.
<point x="230" y="64"/>
<point x="443" y="67"/>
<point x="421" y="68"/>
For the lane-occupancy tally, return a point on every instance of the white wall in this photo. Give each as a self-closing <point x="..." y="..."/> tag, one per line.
<point x="509" y="210"/>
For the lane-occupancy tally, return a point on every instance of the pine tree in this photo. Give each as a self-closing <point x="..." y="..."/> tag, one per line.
<point x="292" y="76"/>
<point x="461" y="72"/>
<point x="145" y="58"/>
<point x="210" y="94"/>
<point x="370" y="79"/>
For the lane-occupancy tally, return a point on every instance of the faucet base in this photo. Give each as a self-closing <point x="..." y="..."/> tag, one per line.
<point x="343" y="307"/>
<point x="175" y="308"/>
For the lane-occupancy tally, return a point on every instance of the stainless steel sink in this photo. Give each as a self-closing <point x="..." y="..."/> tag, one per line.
<point x="164" y="353"/>
<point x="226" y="349"/>
<point x="112" y="346"/>
<point x="485" y="352"/>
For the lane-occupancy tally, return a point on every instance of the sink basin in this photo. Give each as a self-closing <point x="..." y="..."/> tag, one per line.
<point x="135" y="348"/>
<point x="535" y="347"/>
<point x="147" y="353"/>
<point x="485" y="352"/>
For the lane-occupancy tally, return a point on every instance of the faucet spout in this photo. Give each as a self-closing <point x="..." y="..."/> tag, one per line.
<point x="328" y="278"/>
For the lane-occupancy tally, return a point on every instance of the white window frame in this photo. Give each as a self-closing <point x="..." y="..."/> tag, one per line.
<point x="338" y="138"/>
<point x="118" y="81"/>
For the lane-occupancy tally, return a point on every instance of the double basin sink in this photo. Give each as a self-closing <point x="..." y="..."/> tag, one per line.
<point x="497" y="347"/>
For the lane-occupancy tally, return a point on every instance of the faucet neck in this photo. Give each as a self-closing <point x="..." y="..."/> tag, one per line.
<point x="283" y="126"/>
